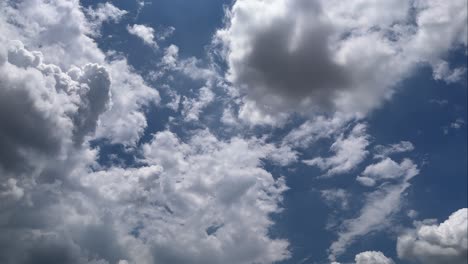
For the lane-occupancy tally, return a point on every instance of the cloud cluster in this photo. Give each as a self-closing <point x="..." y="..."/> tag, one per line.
<point x="336" y="56"/>
<point x="430" y="243"/>
<point x="200" y="201"/>
<point x="60" y="31"/>
<point x="197" y="200"/>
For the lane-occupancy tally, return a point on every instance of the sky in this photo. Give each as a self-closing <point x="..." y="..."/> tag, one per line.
<point x="233" y="132"/>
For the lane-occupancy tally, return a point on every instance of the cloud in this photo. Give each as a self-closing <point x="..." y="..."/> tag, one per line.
<point x="437" y="244"/>
<point x="56" y="87"/>
<point x="60" y="31"/>
<point x="317" y="128"/>
<point x="145" y="33"/>
<point x="125" y="121"/>
<point x="104" y="12"/>
<point x="336" y="196"/>
<point x="349" y="151"/>
<point x="192" y="107"/>
<point x="385" y="151"/>
<point x="329" y="56"/>
<point x="190" y="201"/>
<point x="457" y="124"/>
<point x="443" y="72"/>
<point x="385" y="170"/>
<point x="376" y="213"/>
<point x="45" y="109"/>
<point x="372" y="257"/>
<point x="201" y="201"/>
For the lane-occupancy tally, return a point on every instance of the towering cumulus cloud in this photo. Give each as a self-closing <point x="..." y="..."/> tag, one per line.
<point x="43" y="108"/>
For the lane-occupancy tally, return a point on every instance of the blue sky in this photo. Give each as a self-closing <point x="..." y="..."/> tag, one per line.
<point x="243" y="131"/>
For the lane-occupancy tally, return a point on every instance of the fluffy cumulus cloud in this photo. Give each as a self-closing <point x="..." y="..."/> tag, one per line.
<point x="385" y="170"/>
<point x="430" y="243"/>
<point x="198" y="200"/>
<point x="60" y="31"/>
<point x="105" y="12"/>
<point x="125" y="121"/>
<point x="44" y="109"/>
<point x="201" y="201"/>
<point x="336" y="56"/>
<point x="372" y="257"/>
<point x="145" y="33"/>
<point x="47" y="114"/>
<point x="199" y="197"/>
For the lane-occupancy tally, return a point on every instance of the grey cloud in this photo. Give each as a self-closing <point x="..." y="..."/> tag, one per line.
<point x="328" y="56"/>
<point x="40" y="106"/>
<point x="96" y="82"/>
<point x="293" y="64"/>
<point x="287" y="54"/>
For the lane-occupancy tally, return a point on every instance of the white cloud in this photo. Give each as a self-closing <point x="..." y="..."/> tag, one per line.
<point x="385" y="151"/>
<point x="104" y="12"/>
<point x="437" y="244"/>
<point x="349" y="151"/>
<point x="59" y="30"/>
<point x="457" y="124"/>
<point x="312" y="130"/>
<point x="51" y="109"/>
<point x="251" y="115"/>
<point x="387" y="169"/>
<point x="145" y="33"/>
<point x="67" y="209"/>
<point x="412" y="214"/>
<point x="192" y="107"/>
<point x="171" y="56"/>
<point x="201" y="198"/>
<point x="361" y="50"/>
<point x="444" y="73"/>
<point x="376" y="214"/>
<point x="372" y="257"/>
<point x="336" y="196"/>
<point x="125" y="121"/>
